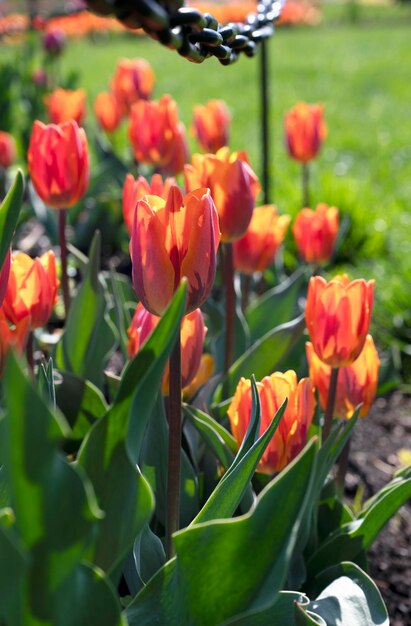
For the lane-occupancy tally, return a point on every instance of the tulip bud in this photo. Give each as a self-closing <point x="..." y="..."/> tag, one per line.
<point x="135" y="190"/>
<point x="256" y="250"/>
<point x="305" y="130"/>
<point x="7" y="149"/>
<point x="193" y="332"/>
<point x="133" y="80"/>
<point x="54" y="41"/>
<point x="233" y="185"/>
<point x="338" y="316"/>
<point x="65" y="105"/>
<point x="357" y="383"/>
<point x="291" y="434"/>
<point x="315" y="233"/>
<point x="32" y="289"/>
<point x="58" y="163"/>
<point x="171" y="239"/>
<point x="107" y="111"/>
<point x="12" y="337"/>
<point x="211" y="124"/>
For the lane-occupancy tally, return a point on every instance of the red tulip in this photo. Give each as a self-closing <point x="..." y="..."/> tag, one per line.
<point x="305" y="130"/>
<point x="315" y="233"/>
<point x="338" y="316"/>
<point x="256" y="250"/>
<point x="32" y="289"/>
<point x="291" y="434"/>
<point x="12" y="337"/>
<point x="65" y="105"/>
<point x="4" y="276"/>
<point x="193" y="332"/>
<point x="211" y="124"/>
<point x="135" y="190"/>
<point x="58" y="163"/>
<point x="357" y="383"/>
<point x="107" y="111"/>
<point x="233" y="185"/>
<point x="133" y="80"/>
<point x="171" y="239"/>
<point x="7" y="149"/>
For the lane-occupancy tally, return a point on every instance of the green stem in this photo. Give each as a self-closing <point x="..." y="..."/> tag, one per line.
<point x="245" y="292"/>
<point x="305" y="185"/>
<point x="342" y="468"/>
<point x="174" y="448"/>
<point x="30" y="352"/>
<point x="229" y="310"/>
<point x="63" y="258"/>
<point x="329" y="411"/>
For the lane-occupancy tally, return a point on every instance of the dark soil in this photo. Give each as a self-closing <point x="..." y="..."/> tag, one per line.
<point x="374" y="459"/>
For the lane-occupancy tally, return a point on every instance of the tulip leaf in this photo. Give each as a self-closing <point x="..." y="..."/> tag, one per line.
<point x="46" y="383"/>
<point x="227" y="495"/>
<point x="225" y="567"/>
<point x="9" y="214"/>
<point x="148" y="555"/>
<point x="277" y="306"/>
<point x="53" y="501"/>
<point x="263" y="357"/>
<point x="89" y="337"/>
<point x="111" y="450"/>
<point x="214" y="434"/>
<point x="281" y="612"/>
<point x="13" y="568"/>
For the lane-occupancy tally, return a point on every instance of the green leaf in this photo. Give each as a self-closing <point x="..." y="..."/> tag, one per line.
<point x="13" y="567"/>
<point x="112" y="448"/>
<point x="149" y="555"/>
<point x="281" y="612"/>
<point x="89" y="337"/>
<point x="9" y="214"/>
<point x="221" y="442"/>
<point x="212" y="578"/>
<point x="264" y="356"/>
<point x="277" y="306"/>
<point x="46" y="383"/>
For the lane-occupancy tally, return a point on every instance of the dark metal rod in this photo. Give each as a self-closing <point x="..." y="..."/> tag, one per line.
<point x="265" y="126"/>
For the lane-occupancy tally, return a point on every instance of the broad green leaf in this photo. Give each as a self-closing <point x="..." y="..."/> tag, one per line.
<point x="281" y="612"/>
<point x="264" y="356"/>
<point x="89" y="337"/>
<point x="9" y="214"/>
<point x="277" y="306"/>
<point x="13" y="567"/>
<point x="111" y="449"/>
<point x="225" y="567"/>
<point x="227" y="495"/>
<point x="221" y="442"/>
<point x="53" y="502"/>
<point x="149" y="555"/>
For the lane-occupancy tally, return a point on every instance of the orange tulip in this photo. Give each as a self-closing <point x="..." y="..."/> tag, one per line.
<point x="204" y="373"/>
<point x="171" y="239"/>
<point x="133" y="80"/>
<point x="7" y="149"/>
<point x="58" y="163"/>
<point x="65" y="105"/>
<point x="4" y="276"/>
<point x="357" y="383"/>
<point x="305" y="130"/>
<point x="256" y="250"/>
<point x="338" y="316"/>
<point x="233" y="185"/>
<point x="157" y="136"/>
<point x="32" y="289"/>
<point x="193" y="332"/>
<point x="211" y="123"/>
<point x="291" y="434"/>
<point x="107" y="111"/>
<point x="135" y="190"/>
<point x="12" y="337"/>
<point x="315" y="233"/>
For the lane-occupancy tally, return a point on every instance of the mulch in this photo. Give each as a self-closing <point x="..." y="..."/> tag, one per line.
<point x="374" y="458"/>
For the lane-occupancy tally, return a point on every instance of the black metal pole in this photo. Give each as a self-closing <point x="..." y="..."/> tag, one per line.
<point x="265" y="127"/>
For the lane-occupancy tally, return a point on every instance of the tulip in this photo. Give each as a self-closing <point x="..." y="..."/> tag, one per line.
<point x="157" y="136"/>
<point x="256" y="250"/>
<point x="233" y="185"/>
<point x="305" y="130"/>
<point x="291" y="434"/>
<point x="204" y="373"/>
<point x="58" y="163"/>
<point x="32" y="289"/>
<point x="107" y="111"/>
<point x="171" y="239"/>
<point x="357" y="383"/>
<point x="4" y="276"/>
<point x="7" y="149"/>
<point x="315" y="233"/>
<point x="193" y="332"/>
<point x="133" y="80"/>
<point x="54" y="41"/>
<point x="12" y="337"/>
<point x="65" y="105"/>
<point x="211" y="123"/>
<point x="338" y="316"/>
<point x="135" y="190"/>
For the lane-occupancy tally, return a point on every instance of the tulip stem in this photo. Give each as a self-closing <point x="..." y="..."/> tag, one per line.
<point x="329" y="411"/>
<point x="63" y="258"/>
<point x="30" y="352"/>
<point x="305" y="184"/>
<point x="174" y="447"/>
<point x="342" y="468"/>
<point x="229" y="310"/>
<point x="245" y="293"/>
